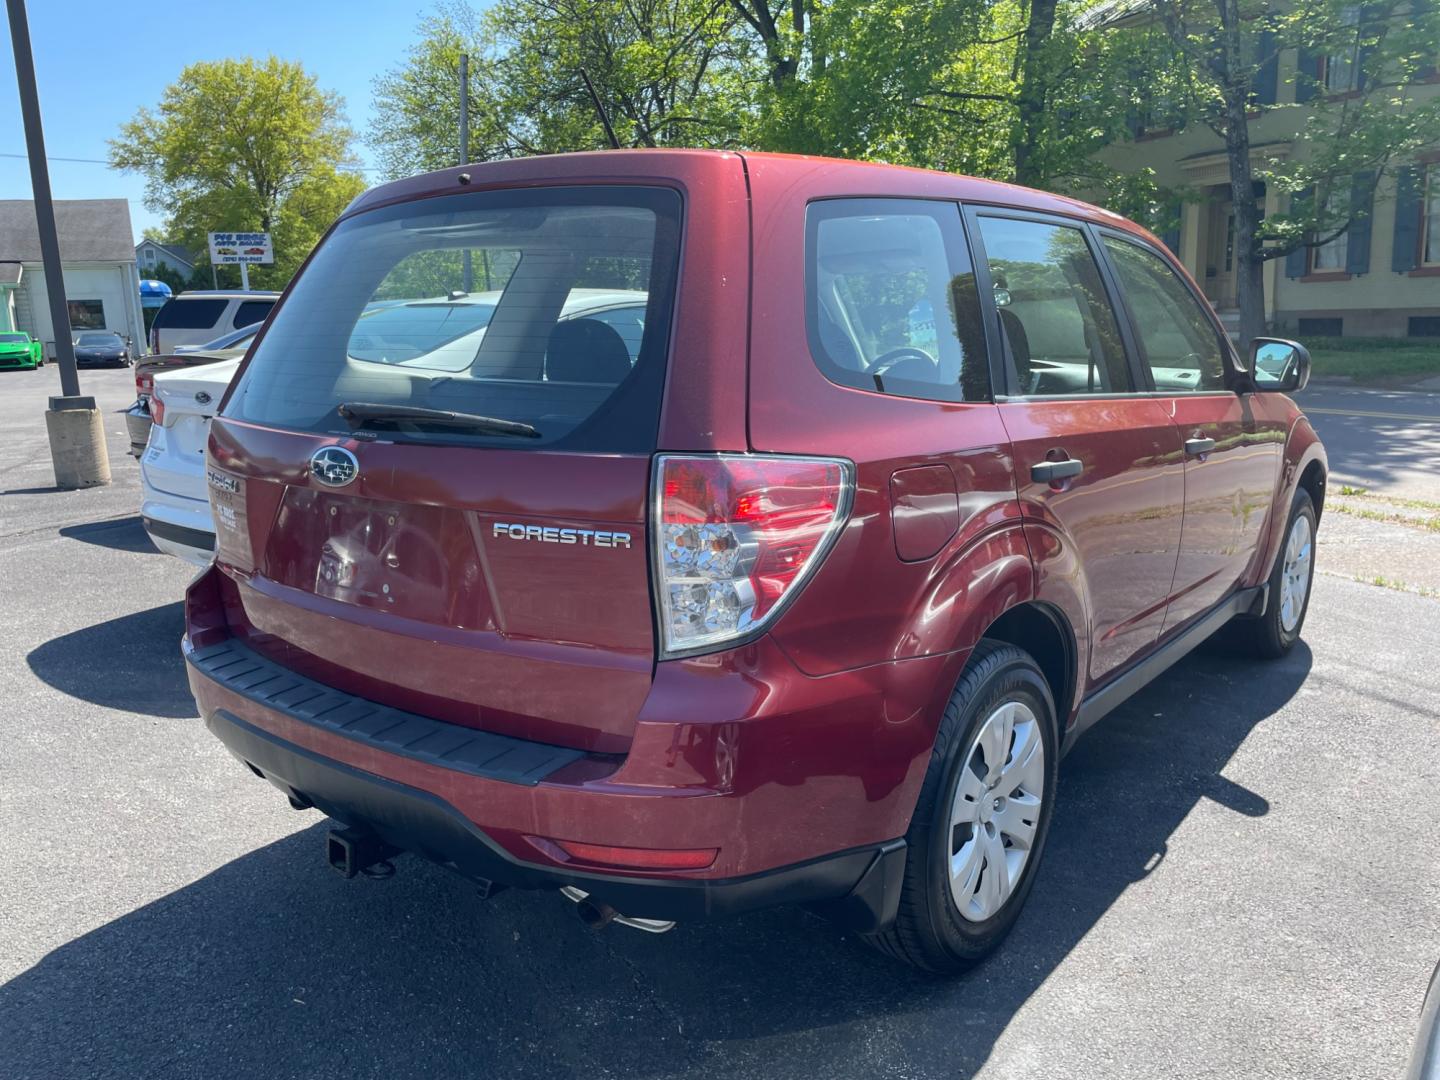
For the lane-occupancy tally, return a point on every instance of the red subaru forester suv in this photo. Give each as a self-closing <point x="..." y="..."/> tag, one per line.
<point x="695" y="532"/>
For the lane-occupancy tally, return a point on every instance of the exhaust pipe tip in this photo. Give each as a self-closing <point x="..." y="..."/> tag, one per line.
<point x="595" y="915"/>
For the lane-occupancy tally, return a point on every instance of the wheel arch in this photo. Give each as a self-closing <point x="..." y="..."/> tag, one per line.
<point x="1044" y="633"/>
<point x="1313" y="481"/>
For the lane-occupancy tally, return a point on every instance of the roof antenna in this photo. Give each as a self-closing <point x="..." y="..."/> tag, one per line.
<point x="599" y="108"/>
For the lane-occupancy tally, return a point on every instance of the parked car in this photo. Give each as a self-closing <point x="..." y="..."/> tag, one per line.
<point x="229" y="346"/>
<point x="202" y="315"/>
<point x="902" y="481"/>
<point x="439" y="333"/>
<point x="19" y="350"/>
<point x="1425" y="1056"/>
<point x="96" y="348"/>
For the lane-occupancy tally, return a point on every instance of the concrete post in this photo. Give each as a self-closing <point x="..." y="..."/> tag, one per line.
<point x="77" y="443"/>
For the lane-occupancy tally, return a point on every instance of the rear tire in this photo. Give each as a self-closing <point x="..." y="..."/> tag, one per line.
<point x="978" y="814"/>
<point x="1273" y="634"/>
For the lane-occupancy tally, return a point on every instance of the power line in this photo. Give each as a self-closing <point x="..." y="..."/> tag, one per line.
<point x="83" y="160"/>
<point x="102" y="161"/>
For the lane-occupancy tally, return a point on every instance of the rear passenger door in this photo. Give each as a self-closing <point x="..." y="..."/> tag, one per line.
<point x="1097" y="459"/>
<point x="1232" y="455"/>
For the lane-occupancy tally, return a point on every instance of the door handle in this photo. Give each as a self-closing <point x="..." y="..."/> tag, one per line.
<point x="1049" y="472"/>
<point x="1196" y="447"/>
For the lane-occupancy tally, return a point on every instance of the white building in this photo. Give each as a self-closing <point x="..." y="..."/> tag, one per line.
<point x="97" y="257"/>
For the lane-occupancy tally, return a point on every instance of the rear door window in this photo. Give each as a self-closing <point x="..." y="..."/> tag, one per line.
<point x="1057" y="325"/>
<point x="250" y="312"/>
<point x="891" y="301"/>
<point x="1178" y="342"/>
<point x="199" y="314"/>
<point x="547" y="308"/>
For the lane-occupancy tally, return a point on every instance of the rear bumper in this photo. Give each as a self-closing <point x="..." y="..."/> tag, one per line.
<point x="178" y="526"/>
<point x="858" y="887"/>
<point x="801" y="784"/>
<point x="137" y="425"/>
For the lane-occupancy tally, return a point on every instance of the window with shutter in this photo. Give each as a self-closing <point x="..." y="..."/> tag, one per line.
<point x="1330" y="257"/>
<point x="1430" y="219"/>
<point x="1362" y="202"/>
<point x="1409" y="194"/>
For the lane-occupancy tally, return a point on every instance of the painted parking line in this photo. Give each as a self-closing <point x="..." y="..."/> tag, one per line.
<point x="1413" y="417"/>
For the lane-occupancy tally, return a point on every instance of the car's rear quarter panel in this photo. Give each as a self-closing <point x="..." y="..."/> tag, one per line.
<point x="866" y="605"/>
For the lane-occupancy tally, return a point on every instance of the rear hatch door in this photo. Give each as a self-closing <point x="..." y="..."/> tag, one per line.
<point x="430" y="482"/>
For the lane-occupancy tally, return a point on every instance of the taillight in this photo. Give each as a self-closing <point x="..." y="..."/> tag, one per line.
<point x="157" y="410"/>
<point x="144" y="383"/>
<point x="735" y="536"/>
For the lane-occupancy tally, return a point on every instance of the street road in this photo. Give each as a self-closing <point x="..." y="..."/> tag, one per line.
<point x="1386" y="441"/>
<point x="1243" y="878"/>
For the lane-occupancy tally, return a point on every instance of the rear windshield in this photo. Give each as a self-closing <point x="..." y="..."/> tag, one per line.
<point x="547" y="308"/>
<point x="198" y="314"/>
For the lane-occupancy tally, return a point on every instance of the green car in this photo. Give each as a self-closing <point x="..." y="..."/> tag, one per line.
<point x="18" y="351"/>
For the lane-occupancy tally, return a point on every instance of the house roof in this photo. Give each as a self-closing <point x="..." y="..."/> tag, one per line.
<point x="91" y="230"/>
<point x="1112" y="13"/>
<point x="9" y="273"/>
<point x="175" y="251"/>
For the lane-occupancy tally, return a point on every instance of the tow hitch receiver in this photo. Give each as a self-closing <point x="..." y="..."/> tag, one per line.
<point x="354" y="851"/>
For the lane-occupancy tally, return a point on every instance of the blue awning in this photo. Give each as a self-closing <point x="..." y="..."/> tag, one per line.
<point x="151" y="287"/>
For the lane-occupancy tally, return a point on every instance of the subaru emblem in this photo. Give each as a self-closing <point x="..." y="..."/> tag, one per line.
<point x="334" y="466"/>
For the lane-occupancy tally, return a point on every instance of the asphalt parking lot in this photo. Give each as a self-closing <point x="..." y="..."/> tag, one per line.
<point x="1243" y="879"/>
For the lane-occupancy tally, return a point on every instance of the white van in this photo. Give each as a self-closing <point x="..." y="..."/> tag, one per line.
<point x="195" y="317"/>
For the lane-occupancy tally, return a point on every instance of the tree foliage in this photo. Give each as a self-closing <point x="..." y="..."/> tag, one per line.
<point x="242" y="145"/>
<point x="1206" y="61"/>
<point x="668" y="73"/>
<point x="974" y="86"/>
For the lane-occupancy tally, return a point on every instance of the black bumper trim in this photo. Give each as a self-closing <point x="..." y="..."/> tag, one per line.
<point x="179" y="534"/>
<point x="859" y="887"/>
<point x="465" y="750"/>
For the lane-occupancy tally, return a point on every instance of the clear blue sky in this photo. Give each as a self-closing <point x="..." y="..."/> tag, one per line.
<point x="98" y="61"/>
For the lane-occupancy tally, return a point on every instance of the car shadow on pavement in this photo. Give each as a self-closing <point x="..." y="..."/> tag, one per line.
<point x="124" y="534"/>
<point x="131" y="663"/>
<point x="273" y="964"/>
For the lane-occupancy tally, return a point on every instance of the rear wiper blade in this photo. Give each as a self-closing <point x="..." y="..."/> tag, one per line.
<point x="362" y="411"/>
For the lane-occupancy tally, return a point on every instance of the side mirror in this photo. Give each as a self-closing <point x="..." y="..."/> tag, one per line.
<point x="1278" y="366"/>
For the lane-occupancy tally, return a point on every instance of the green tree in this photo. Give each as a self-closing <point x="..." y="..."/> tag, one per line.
<point x="667" y="71"/>
<point x="240" y="145"/>
<point x="1005" y="89"/>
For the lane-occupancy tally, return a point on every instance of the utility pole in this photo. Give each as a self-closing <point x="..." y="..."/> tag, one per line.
<point x="467" y="277"/>
<point x="77" y="434"/>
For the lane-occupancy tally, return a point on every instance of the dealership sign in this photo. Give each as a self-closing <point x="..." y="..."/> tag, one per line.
<point x="240" y="247"/>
